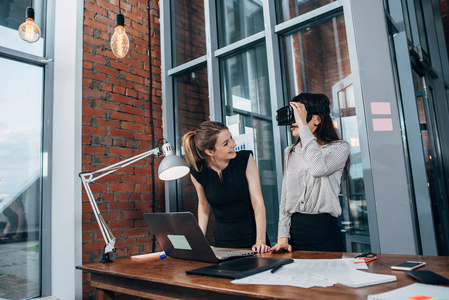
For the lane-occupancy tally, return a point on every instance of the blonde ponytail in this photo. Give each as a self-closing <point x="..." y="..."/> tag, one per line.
<point x="191" y="153"/>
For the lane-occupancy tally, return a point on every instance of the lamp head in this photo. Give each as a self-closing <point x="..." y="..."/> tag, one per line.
<point x="172" y="166"/>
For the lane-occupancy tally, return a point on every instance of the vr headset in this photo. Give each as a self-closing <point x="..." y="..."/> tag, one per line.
<point x="285" y="114"/>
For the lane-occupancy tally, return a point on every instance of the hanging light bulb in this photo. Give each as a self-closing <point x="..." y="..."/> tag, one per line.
<point x="28" y="30"/>
<point x="119" y="40"/>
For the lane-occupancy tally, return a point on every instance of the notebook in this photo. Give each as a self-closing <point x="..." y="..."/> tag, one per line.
<point x="181" y="237"/>
<point x="355" y="278"/>
<point x="241" y="267"/>
<point x="414" y="291"/>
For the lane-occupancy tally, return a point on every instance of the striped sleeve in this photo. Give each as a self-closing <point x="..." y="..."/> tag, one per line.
<point x="321" y="163"/>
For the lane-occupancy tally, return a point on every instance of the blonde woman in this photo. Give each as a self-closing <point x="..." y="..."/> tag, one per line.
<point x="227" y="182"/>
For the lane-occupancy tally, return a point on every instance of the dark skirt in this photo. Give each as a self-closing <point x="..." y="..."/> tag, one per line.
<point x="239" y="243"/>
<point x="317" y="232"/>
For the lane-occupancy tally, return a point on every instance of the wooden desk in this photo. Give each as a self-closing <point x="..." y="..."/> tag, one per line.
<point x="148" y="276"/>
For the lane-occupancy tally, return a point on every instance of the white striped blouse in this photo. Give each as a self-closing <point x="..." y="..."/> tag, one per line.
<point x="312" y="177"/>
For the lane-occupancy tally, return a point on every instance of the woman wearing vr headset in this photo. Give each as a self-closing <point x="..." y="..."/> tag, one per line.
<point x="228" y="182"/>
<point x="313" y="169"/>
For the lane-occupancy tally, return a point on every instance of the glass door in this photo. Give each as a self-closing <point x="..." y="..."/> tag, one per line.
<point x="424" y="96"/>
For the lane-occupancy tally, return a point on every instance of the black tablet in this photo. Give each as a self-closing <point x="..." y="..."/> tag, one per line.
<point x="429" y="277"/>
<point x="240" y="267"/>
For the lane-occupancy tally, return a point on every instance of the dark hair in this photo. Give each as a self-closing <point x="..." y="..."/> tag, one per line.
<point x="325" y="132"/>
<point x="196" y="142"/>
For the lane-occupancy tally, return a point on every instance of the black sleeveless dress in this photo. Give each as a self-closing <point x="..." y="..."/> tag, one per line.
<point x="235" y="225"/>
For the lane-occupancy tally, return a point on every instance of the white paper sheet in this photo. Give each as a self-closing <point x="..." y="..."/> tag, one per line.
<point x="299" y="272"/>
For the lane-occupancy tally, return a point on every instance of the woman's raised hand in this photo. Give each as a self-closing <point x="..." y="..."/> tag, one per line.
<point x="300" y="112"/>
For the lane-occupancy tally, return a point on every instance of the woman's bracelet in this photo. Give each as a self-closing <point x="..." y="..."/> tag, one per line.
<point x="260" y="242"/>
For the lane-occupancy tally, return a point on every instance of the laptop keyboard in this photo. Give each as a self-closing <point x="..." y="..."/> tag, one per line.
<point x="224" y="252"/>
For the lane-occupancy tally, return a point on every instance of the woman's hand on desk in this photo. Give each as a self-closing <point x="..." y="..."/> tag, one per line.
<point x="282" y="245"/>
<point x="261" y="247"/>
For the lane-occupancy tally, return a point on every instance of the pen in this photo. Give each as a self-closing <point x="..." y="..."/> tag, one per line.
<point x="276" y="268"/>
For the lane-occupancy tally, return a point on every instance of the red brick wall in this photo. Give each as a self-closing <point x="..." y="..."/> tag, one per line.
<point x="116" y="126"/>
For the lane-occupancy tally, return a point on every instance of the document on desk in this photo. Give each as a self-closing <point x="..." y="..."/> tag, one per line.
<point x="355" y="278"/>
<point x="299" y="273"/>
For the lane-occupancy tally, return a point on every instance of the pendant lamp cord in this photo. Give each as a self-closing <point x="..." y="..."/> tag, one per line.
<point x="150" y="99"/>
<point x="119" y="7"/>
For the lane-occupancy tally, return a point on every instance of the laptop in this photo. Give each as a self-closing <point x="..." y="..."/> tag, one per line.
<point x="181" y="237"/>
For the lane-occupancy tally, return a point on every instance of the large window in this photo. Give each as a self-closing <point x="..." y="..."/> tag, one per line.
<point x="21" y="111"/>
<point x="23" y="160"/>
<point x="256" y="61"/>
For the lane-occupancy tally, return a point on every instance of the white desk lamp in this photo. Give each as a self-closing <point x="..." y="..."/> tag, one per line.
<point x="172" y="167"/>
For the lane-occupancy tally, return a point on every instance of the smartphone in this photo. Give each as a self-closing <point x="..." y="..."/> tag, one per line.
<point x="408" y="265"/>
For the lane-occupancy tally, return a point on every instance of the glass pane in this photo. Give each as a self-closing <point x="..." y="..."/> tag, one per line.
<point x="421" y="25"/>
<point x="21" y="105"/>
<point x="238" y="19"/>
<point x="248" y="116"/>
<point x="419" y="101"/>
<point x="444" y="11"/>
<point x="316" y="60"/>
<point x="355" y="220"/>
<point x="12" y="14"/>
<point x="408" y="29"/>
<point x="191" y="109"/>
<point x="289" y="9"/>
<point x="189" y="39"/>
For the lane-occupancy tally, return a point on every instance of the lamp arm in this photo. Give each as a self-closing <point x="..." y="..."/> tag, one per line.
<point x="112" y="168"/>
<point x="105" y="231"/>
<point x="88" y="177"/>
